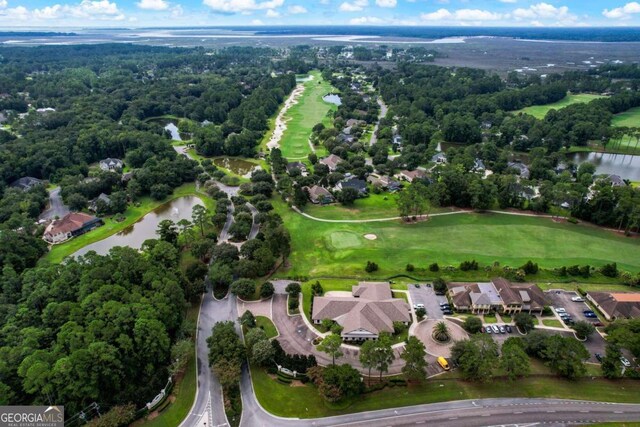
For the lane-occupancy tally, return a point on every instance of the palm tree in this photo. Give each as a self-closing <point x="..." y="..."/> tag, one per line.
<point x="441" y="332"/>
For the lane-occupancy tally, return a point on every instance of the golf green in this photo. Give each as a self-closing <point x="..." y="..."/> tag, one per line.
<point x="540" y="111"/>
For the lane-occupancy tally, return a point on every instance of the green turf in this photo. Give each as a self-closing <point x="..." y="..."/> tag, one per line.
<point x="552" y="322"/>
<point x="540" y="111"/>
<point x="110" y="227"/>
<point x="310" y="110"/>
<point x="490" y="318"/>
<point x="630" y="118"/>
<point x="267" y="326"/>
<point x="375" y="206"/>
<point x="321" y="249"/>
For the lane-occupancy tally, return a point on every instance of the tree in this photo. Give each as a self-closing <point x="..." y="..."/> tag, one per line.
<point x="293" y="289"/>
<point x="181" y="352"/>
<point x="514" y="360"/>
<point x="248" y="320"/>
<point x="524" y="321"/>
<point x="475" y="357"/>
<point x="168" y="231"/>
<point x="267" y="290"/>
<point x="367" y="356"/>
<point x="254" y="336"/>
<point x="472" y="324"/>
<point x="439" y="285"/>
<point x="414" y="201"/>
<point x="228" y="373"/>
<point x="199" y="216"/>
<point x="565" y="356"/>
<point x="117" y="416"/>
<point x="243" y="288"/>
<point x="224" y="344"/>
<point x="331" y="345"/>
<point x="316" y="288"/>
<point x="584" y="329"/>
<point x="611" y="364"/>
<point x="414" y="356"/>
<point x="371" y="267"/>
<point x="383" y="354"/>
<point x="421" y="312"/>
<point x="336" y="382"/>
<point x="262" y="352"/>
<point x="348" y="195"/>
<point x="441" y="332"/>
<point x="77" y="202"/>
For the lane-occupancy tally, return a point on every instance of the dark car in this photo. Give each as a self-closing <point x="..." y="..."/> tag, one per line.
<point x="598" y="356"/>
<point x="448" y="312"/>
<point x="598" y="324"/>
<point x="416" y="285"/>
<point x="508" y="328"/>
<point x="591" y="315"/>
<point x="445" y="307"/>
<point x="587" y="311"/>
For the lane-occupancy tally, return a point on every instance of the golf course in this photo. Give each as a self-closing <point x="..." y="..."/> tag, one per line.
<point x="309" y="110"/>
<point x="540" y="111"/>
<point x="328" y="249"/>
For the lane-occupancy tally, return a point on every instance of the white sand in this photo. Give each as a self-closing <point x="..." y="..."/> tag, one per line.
<point x="281" y="123"/>
<point x="370" y="236"/>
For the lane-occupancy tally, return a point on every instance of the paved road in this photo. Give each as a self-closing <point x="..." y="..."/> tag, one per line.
<point x="56" y="207"/>
<point x="425" y="295"/>
<point x="255" y="228"/>
<point x="383" y="113"/>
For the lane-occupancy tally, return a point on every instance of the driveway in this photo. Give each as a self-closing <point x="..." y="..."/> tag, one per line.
<point x="562" y="299"/>
<point x="56" y="207"/>
<point x="424" y="330"/>
<point x="258" y="308"/>
<point x="426" y="295"/>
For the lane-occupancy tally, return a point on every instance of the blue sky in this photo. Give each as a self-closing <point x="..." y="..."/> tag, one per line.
<point x="140" y="13"/>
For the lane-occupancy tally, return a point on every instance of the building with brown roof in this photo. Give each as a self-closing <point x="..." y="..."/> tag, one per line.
<point x="616" y="305"/>
<point x="370" y="310"/>
<point x="319" y="195"/>
<point x="410" y="176"/>
<point x="497" y="295"/>
<point x="332" y="161"/>
<point x="71" y="225"/>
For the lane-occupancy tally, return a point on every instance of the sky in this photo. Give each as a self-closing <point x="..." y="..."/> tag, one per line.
<point x="144" y="13"/>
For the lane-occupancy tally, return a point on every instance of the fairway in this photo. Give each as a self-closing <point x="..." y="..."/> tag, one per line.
<point x="340" y="249"/>
<point x="310" y="110"/>
<point x="540" y="111"/>
<point x="630" y="118"/>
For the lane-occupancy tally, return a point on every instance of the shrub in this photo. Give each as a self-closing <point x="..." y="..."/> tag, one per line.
<point x="293" y="289"/>
<point x="472" y="324"/>
<point x="439" y="285"/>
<point x="399" y="327"/>
<point x="434" y="267"/>
<point x="410" y="268"/>
<point x="293" y="303"/>
<point x="572" y="220"/>
<point x="469" y="265"/>
<point x="530" y="268"/>
<point x="421" y="312"/>
<point x="266" y="290"/>
<point x="371" y="267"/>
<point x="316" y="288"/>
<point x="585" y="271"/>
<point x="610" y="270"/>
<point x="520" y="275"/>
<point x="244" y="288"/>
<point x="574" y="270"/>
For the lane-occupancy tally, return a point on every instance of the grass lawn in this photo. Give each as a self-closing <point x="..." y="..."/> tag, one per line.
<point x="540" y="111"/>
<point x="304" y="402"/>
<point x="310" y="110"/>
<point x="267" y="326"/>
<point x="601" y="287"/>
<point x="110" y="227"/>
<point x="630" y="118"/>
<point x="552" y="322"/>
<point x="375" y="206"/>
<point x="184" y="391"/>
<point x="490" y="318"/>
<point x="321" y="249"/>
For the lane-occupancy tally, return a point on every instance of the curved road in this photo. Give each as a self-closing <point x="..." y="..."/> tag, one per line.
<point x="56" y="207"/>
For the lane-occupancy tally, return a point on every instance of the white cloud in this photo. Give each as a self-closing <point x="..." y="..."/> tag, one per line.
<point x="543" y="11"/>
<point x="386" y="3"/>
<point x="257" y="22"/>
<point x="354" y="6"/>
<point x="272" y="14"/>
<point x="236" y="6"/>
<point x="296" y="9"/>
<point x="3" y="4"/>
<point x="153" y="4"/>
<point x="366" y="20"/>
<point x="102" y="10"/>
<point x="509" y="1"/>
<point x="468" y="15"/>
<point x="623" y="12"/>
<point x="177" y="11"/>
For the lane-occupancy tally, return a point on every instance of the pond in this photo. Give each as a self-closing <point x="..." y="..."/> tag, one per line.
<point x="237" y="166"/>
<point x="171" y="126"/>
<point x="134" y="235"/>
<point x="173" y="130"/>
<point x="627" y="166"/>
<point x="332" y="98"/>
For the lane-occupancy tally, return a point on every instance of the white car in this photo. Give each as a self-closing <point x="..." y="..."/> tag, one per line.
<point x="625" y="362"/>
<point x="417" y="306"/>
<point x="560" y="310"/>
<point x="577" y="299"/>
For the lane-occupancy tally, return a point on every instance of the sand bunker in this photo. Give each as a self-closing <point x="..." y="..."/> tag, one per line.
<point x="370" y="236"/>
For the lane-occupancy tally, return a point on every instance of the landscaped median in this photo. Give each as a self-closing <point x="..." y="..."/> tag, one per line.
<point x="132" y="215"/>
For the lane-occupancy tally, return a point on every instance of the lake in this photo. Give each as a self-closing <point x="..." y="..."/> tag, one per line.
<point x="134" y="235"/>
<point x="332" y="98"/>
<point x="628" y="167"/>
<point x="237" y="166"/>
<point x="173" y="129"/>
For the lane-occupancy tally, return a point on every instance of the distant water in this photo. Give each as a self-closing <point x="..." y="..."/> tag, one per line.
<point x="628" y="167"/>
<point x="332" y="98"/>
<point x="173" y="129"/>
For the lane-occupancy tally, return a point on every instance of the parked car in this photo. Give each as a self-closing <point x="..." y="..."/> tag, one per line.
<point x="416" y="285"/>
<point x="487" y="329"/>
<point x="598" y="356"/>
<point x="625" y="362"/>
<point x="598" y="324"/>
<point x="577" y="299"/>
<point x="495" y="329"/>
<point x="418" y="305"/>
<point x="508" y="328"/>
<point x="502" y="329"/>
<point x="447" y="312"/>
<point x="444" y="303"/>
<point x="445" y="307"/>
<point x="591" y="315"/>
<point x="560" y="310"/>
<point x="587" y="311"/>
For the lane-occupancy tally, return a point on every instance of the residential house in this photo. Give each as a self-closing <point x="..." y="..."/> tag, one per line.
<point x="111" y="164"/>
<point x="439" y="158"/>
<point x="26" y="183"/>
<point x="127" y="176"/>
<point x="355" y="183"/>
<point x="347" y="130"/>
<point x="616" y="305"/>
<point x="355" y="123"/>
<point x="497" y="295"/>
<point x="71" y="225"/>
<point x="616" y="180"/>
<point x="521" y="169"/>
<point x="291" y="166"/>
<point x="102" y="199"/>
<point x="397" y="139"/>
<point x="343" y="138"/>
<point x="478" y="165"/>
<point x="368" y="311"/>
<point x="410" y="176"/>
<point x="384" y="182"/>
<point x="332" y="161"/>
<point x="319" y="195"/>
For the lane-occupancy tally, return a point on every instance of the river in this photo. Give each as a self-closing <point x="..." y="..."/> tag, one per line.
<point x="134" y="235"/>
<point x="627" y="166"/>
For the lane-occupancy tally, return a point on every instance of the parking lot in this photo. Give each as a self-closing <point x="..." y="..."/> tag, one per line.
<point x="425" y="295"/>
<point x="575" y="309"/>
